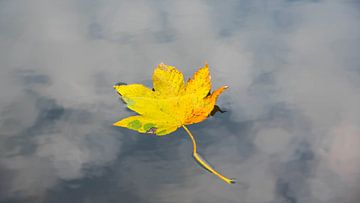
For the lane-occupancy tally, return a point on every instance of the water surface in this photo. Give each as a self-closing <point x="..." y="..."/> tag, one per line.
<point x="291" y="133"/>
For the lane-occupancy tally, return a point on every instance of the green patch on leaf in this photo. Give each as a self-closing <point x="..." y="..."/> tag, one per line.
<point x="147" y="126"/>
<point x="135" y="124"/>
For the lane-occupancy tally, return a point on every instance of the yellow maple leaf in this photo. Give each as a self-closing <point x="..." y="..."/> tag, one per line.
<point x="171" y="104"/>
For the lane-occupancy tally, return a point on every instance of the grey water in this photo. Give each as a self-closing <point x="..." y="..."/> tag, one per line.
<point x="290" y="133"/>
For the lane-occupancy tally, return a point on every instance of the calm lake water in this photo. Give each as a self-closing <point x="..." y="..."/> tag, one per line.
<point x="291" y="133"/>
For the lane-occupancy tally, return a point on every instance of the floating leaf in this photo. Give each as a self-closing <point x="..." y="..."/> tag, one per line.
<point x="171" y="104"/>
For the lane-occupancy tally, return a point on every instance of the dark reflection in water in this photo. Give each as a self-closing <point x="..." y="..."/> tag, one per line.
<point x="291" y="132"/>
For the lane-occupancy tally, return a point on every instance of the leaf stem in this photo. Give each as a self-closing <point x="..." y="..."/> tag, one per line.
<point x="203" y="162"/>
